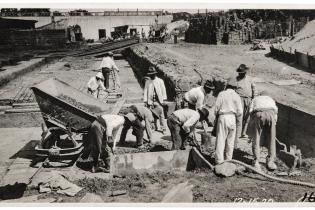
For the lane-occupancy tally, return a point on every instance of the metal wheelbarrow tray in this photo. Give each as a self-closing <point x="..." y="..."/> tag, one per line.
<point x="65" y="107"/>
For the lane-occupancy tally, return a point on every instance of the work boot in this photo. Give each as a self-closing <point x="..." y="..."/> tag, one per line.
<point x="257" y="166"/>
<point x="271" y="164"/>
<point x="98" y="169"/>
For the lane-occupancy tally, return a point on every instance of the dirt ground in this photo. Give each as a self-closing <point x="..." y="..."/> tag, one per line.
<point x="207" y="187"/>
<point x="221" y="61"/>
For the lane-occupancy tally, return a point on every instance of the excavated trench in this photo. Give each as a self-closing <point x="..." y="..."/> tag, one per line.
<point x="294" y="126"/>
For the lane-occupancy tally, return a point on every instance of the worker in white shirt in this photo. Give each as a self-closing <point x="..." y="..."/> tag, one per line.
<point x="155" y="95"/>
<point x="264" y="114"/>
<point x="102" y="132"/>
<point x="196" y="96"/>
<point x="95" y="85"/>
<point x="107" y="66"/>
<point x="182" y="124"/>
<point x="228" y="108"/>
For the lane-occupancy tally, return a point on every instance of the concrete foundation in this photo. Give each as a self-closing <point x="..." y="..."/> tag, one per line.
<point x="149" y="162"/>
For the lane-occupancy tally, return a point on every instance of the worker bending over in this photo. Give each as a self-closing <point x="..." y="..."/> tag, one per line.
<point x="264" y="114"/>
<point x="246" y="89"/>
<point x="108" y="66"/>
<point x="102" y="132"/>
<point x="182" y="123"/>
<point x="155" y="95"/>
<point x="196" y="96"/>
<point x="228" y="108"/>
<point x="139" y="119"/>
<point x="95" y="85"/>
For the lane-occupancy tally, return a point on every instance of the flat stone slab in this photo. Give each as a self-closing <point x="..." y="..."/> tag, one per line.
<point x="125" y="164"/>
<point x="91" y="198"/>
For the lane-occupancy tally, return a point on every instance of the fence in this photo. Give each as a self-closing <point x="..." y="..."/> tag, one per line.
<point x="301" y="59"/>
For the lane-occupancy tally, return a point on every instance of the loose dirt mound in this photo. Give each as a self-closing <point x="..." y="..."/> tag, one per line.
<point x="303" y="41"/>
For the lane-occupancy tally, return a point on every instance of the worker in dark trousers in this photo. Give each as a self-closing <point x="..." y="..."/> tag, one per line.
<point x="246" y="89"/>
<point x="133" y="122"/>
<point x="102" y="133"/>
<point x="139" y="119"/>
<point x="106" y="67"/>
<point x="264" y="114"/>
<point x="182" y="124"/>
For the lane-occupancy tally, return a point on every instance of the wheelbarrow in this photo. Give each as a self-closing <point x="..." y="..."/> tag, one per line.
<point x="68" y="114"/>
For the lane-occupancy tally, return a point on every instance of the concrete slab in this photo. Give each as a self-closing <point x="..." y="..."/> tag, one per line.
<point x="12" y="72"/>
<point x="91" y="198"/>
<point x="148" y="162"/>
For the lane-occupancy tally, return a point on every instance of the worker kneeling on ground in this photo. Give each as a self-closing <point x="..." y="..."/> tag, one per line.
<point x="95" y="85"/>
<point x="182" y="124"/>
<point x="264" y="114"/>
<point x="196" y="96"/>
<point x="228" y="108"/>
<point x="140" y="118"/>
<point x="102" y="133"/>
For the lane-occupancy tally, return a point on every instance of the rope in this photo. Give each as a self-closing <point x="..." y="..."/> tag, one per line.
<point x="283" y="180"/>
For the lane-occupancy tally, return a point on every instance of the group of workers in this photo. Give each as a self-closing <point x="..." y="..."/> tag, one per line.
<point x="237" y="106"/>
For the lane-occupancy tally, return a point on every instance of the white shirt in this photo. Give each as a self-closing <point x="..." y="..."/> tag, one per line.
<point x="228" y="101"/>
<point x="188" y="118"/>
<point x="154" y="86"/>
<point x="196" y="96"/>
<point x="114" y="123"/>
<point x="263" y="102"/>
<point x="108" y="62"/>
<point x="95" y="84"/>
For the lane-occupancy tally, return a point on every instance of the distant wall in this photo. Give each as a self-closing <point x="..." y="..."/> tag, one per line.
<point x="33" y="37"/>
<point x="301" y="59"/>
<point x="91" y="24"/>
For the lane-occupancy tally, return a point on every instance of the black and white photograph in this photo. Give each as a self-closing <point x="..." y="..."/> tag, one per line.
<point x="164" y="104"/>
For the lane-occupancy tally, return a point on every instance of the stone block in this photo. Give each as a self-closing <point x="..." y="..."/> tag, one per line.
<point x="125" y="164"/>
<point x="225" y="169"/>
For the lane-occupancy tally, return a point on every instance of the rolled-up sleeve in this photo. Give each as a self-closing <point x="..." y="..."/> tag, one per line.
<point x="191" y="122"/>
<point x="200" y="100"/>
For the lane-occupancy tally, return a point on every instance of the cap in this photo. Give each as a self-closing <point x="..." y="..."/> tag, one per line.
<point x="231" y="83"/>
<point x="131" y="117"/>
<point x="100" y="75"/>
<point x="152" y="70"/>
<point x="242" y="68"/>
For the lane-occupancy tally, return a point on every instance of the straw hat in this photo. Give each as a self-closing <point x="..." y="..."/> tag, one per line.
<point x="152" y="70"/>
<point x="100" y="75"/>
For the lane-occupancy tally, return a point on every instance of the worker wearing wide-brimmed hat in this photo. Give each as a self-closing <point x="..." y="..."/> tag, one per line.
<point x="247" y="91"/>
<point x="262" y="128"/>
<point x="182" y="123"/>
<point x="107" y="66"/>
<point x="196" y="96"/>
<point x="144" y="118"/>
<point x="228" y="108"/>
<point x="95" y="85"/>
<point x="155" y="95"/>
